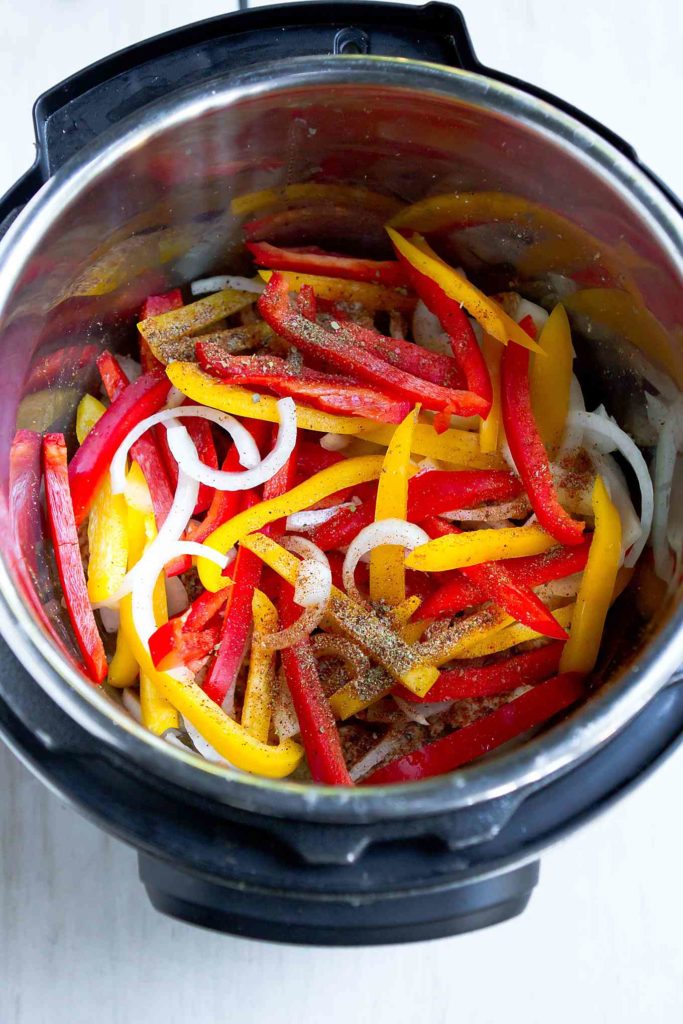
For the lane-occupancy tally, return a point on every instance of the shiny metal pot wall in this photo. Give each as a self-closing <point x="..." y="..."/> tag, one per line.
<point x="534" y="198"/>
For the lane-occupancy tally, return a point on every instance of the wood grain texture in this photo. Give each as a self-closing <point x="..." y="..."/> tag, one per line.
<point x="601" y="939"/>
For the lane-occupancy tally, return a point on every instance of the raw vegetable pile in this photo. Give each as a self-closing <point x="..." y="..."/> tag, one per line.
<point x="347" y="519"/>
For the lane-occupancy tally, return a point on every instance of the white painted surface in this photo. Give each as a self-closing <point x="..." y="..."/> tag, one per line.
<point x="601" y="940"/>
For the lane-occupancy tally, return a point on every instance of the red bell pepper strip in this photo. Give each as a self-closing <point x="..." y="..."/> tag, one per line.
<point x="388" y="272"/>
<point x="461" y="592"/>
<point x="453" y="319"/>
<point x="527" y="448"/>
<point x="246" y="575"/>
<point x="146" y="453"/>
<point x="319" y="734"/>
<point x="339" y="349"/>
<point x="517" y="600"/>
<point x="205" y="608"/>
<point x="24" y="497"/>
<point x="323" y="391"/>
<point x="140" y="399"/>
<point x="472" y="741"/>
<point x="429" y="494"/>
<point x="172" y="645"/>
<point x="307" y="304"/>
<point x="482" y="681"/>
<point x="64" y="535"/>
<point x="155" y="305"/>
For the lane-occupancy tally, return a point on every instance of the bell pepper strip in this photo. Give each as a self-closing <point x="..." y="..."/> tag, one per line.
<point x="402" y="613"/>
<point x="312" y="193"/>
<point x="387" y="569"/>
<point x="510" y="635"/>
<point x="202" y="438"/>
<point x="64" y="536"/>
<point x="124" y="669"/>
<point x="319" y="734"/>
<point x="454" y="322"/>
<point x="466" y="682"/>
<point x="512" y="719"/>
<point x="462" y="592"/>
<point x="172" y="645"/>
<point x="485" y="310"/>
<point x="157" y="713"/>
<point x="385" y="272"/>
<point x="353" y="621"/>
<point x="246" y="575"/>
<point x="338" y="348"/>
<point x="307" y="304"/>
<point x="205" y="389"/>
<point x="455" y="640"/>
<point x="528" y="451"/>
<point x="92" y="460"/>
<point x="258" y="694"/>
<point x="228" y="738"/>
<point x="205" y="608"/>
<point x="107" y="543"/>
<point x="323" y="391"/>
<point x="372" y="297"/>
<point x="303" y="496"/>
<point x="490" y="428"/>
<point x="456" y="551"/>
<point x="159" y="331"/>
<point x="24" y="497"/>
<point x="87" y="414"/>
<point x="457" y="447"/>
<point x="405" y="355"/>
<point x="146" y="453"/>
<point x="550" y="378"/>
<point x="596" y="587"/>
<point x="224" y="505"/>
<point x="493" y="580"/>
<point x="155" y="305"/>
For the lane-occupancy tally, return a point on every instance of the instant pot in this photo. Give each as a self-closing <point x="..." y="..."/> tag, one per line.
<point x="138" y="159"/>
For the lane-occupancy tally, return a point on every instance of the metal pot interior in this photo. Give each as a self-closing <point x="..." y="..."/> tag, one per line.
<point x="537" y="201"/>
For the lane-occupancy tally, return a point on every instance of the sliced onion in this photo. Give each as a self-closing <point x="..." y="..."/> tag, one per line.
<point x="244" y="442"/>
<point x="203" y="747"/>
<point x="141" y="603"/>
<point x="313" y="517"/>
<point x="130" y="367"/>
<point x="285" y="721"/>
<point x="306" y="549"/>
<point x="206" y="285"/>
<point x="175" y="398"/>
<point x="428" y="332"/>
<point x="294" y="634"/>
<point x="573" y="436"/>
<point x="110" y="619"/>
<point x="568" y="586"/>
<point x="421" y="713"/>
<point x="131" y="704"/>
<point x="616" y="484"/>
<point x="396" y="532"/>
<point x="313" y="584"/>
<point x="537" y="313"/>
<point x="518" y="508"/>
<point x="388" y="745"/>
<point x="326" y="645"/>
<point x="184" y="451"/>
<point x="176" y="596"/>
<point x="598" y="430"/>
<point x="335" y="442"/>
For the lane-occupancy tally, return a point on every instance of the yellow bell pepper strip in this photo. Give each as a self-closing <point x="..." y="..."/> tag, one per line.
<point x="256" y="710"/>
<point x="550" y="378"/>
<point x="328" y="481"/>
<point x="313" y="192"/>
<point x="596" y="587"/>
<point x="107" y="542"/>
<point x="490" y="428"/>
<point x="464" y="634"/>
<point x="201" y="387"/>
<point x="502" y="639"/>
<point x="456" y="551"/>
<point x="457" y="447"/>
<point x="485" y="310"/>
<point x="354" y="621"/>
<point x="124" y="669"/>
<point x="387" y="569"/>
<point x="402" y="613"/>
<point x="159" y="331"/>
<point x="372" y="297"/>
<point x="89" y="411"/>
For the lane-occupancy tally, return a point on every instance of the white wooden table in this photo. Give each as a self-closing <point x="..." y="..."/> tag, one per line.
<point x="601" y="940"/>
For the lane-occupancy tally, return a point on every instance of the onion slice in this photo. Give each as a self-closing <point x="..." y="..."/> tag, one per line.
<point x="244" y="442"/>
<point x="206" y="285"/>
<point x="184" y="451"/>
<point x="597" y="430"/>
<point x="335" y="442"/>
<point x="313" y="517"/>
<point x="396" y="532"/>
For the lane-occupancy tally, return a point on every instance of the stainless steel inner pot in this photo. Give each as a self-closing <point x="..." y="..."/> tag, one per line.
<point x="147" y="206"/>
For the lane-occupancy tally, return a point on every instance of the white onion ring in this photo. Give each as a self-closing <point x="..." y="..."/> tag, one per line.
<point x="313" y="584"/>
<point x="206" y="285"/>
<point x="598" y="429"/>
<point x="305" y="548"/>
<point x="312" y="595"/>
<point x="111" y="620"/>
<point x="203" y="747"/>
<point x="389" y="744"/>
<point x="244" y="442"/>
<point x="175" y="398"/>
<point x="428" y="332"/>
<point x="131" y="704"/>
<point x="394" y="532"/>
<point x="313" y="517"/>
<point x="130" y="367"/>
<point x="572" y="437"/>
<point x="537" y="313"/>
<point x="184" y="451"/>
